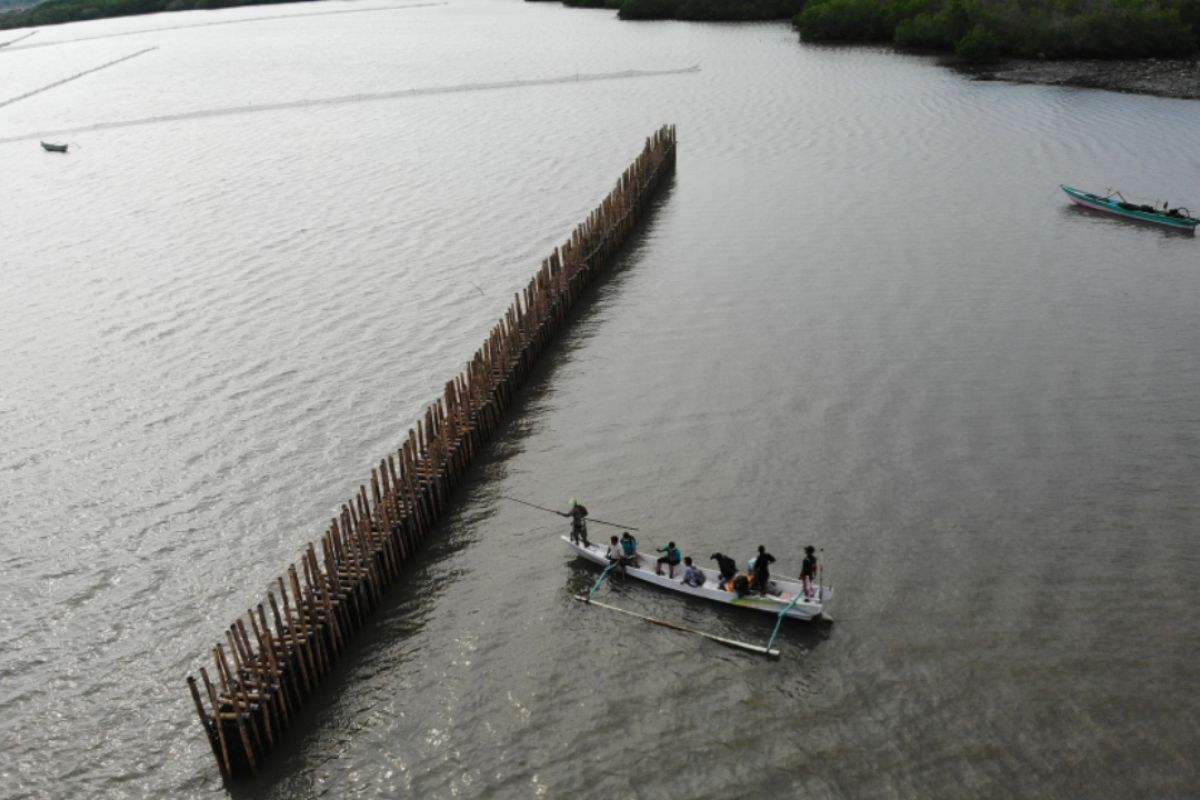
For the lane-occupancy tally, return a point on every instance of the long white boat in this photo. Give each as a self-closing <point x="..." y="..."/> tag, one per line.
<point x="781" y="594"/>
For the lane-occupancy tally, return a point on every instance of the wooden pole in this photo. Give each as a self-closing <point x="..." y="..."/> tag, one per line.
<point x="753" y="648"/>
<point x="378" y="530"/>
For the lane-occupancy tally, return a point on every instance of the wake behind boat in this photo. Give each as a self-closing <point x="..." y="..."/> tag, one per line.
<point x="782" y="594"/>
<point x="1115" y="204"/>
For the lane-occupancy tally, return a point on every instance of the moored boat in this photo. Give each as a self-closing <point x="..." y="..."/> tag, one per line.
<point x="50" y="147"/>
<point x="1115" y="204"/>
<point x="778" y="598"/>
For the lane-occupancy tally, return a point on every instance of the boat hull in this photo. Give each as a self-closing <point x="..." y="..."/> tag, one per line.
<point x="1106" y="205"/>
<point x="810" y="609"/>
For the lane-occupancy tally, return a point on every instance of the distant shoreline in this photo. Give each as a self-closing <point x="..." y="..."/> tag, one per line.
<point x="1159" y="77"/>
<point x="1173" y="78"/>
<point x="60" y="12"/>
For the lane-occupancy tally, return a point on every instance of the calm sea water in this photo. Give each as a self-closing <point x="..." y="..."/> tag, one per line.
<point x="862" y="316"/>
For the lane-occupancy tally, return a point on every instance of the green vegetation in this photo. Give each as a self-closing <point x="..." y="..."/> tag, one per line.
<point x="733" y="10"/>
<point x="979" y="30"/>
<point x="54" y="12"/>
<point x="975" y="30"/>
<point x="716" y="10"/>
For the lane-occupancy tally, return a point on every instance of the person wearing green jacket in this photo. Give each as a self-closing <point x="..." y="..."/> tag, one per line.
<point x="671" y="559"/>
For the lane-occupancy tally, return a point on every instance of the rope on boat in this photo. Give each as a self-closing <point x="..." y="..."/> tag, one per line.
<point x="753" y="648"/>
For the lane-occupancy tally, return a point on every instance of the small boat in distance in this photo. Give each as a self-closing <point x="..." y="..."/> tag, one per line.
<point x="50" y="147"/>
<point x="784" y="595"/>
<point x="1115" y="204"/>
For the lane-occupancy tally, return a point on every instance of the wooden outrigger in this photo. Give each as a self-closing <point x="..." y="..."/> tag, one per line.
<point x="753" y="648"/>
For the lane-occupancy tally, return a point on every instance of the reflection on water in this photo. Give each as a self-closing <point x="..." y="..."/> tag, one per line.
<point x="863" y="317"/>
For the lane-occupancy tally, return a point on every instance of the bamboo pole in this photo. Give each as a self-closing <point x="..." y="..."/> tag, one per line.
<point x="367" y="546"/>
<point x="224" y="762"/>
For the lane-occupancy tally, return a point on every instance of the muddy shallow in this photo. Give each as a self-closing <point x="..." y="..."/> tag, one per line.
<point x="1162" y="77"/>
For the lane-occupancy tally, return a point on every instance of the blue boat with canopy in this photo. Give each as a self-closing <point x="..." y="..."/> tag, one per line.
<point x="1114" y="203"/>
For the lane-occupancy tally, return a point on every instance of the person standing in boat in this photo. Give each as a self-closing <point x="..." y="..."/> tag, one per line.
<point x="671" y="559"/>
<point x="762" y="569"/>
<point x="578" y="516"/>
<point x="692" y="576"/>
<point x="726" y="565"/>
<point x="808" y="571"/>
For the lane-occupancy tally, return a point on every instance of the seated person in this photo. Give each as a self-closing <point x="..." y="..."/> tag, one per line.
<point x="671" y="559"/>
<point x="692" y="575"/>
<point x="615" y="554"/>
<point x="741" y="585"/>
<point x="629" y="546"/>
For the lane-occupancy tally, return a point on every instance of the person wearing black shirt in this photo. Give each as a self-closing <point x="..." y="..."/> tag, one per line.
<point x="808" y="570"/>
<point x="726" y="565"/>
<point x="578" y="522"/>
<point x="762" y="569"/>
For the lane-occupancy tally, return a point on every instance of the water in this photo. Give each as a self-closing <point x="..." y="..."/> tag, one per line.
<point x="862" y="316"/>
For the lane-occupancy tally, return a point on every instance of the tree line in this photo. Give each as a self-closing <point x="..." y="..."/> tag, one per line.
<point x="695" y="10"/>
<point x="975" y="30"/>
<point x="55" y="12"/>
<point x="980" y="30"/>
<point x="6" y="5"/>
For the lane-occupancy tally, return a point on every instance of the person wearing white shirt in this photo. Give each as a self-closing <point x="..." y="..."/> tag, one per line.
<point x="615" y="553"/>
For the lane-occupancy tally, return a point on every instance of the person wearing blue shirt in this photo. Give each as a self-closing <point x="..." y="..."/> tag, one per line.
<point x="629" y="546"/>
<point x="671" y="559"/>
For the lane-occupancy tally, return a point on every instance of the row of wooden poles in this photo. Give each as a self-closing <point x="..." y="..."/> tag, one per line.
<point x="273" y="658"/>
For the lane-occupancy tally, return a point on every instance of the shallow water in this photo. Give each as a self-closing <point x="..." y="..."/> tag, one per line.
<point x="862" y="316"/>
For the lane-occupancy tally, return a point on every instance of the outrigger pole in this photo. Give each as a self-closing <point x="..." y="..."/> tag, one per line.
<point x="782" y="614"/>
<point x="753" y="648"/>
<point x="600" y="580"/>
<point x="561" y="514"/>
